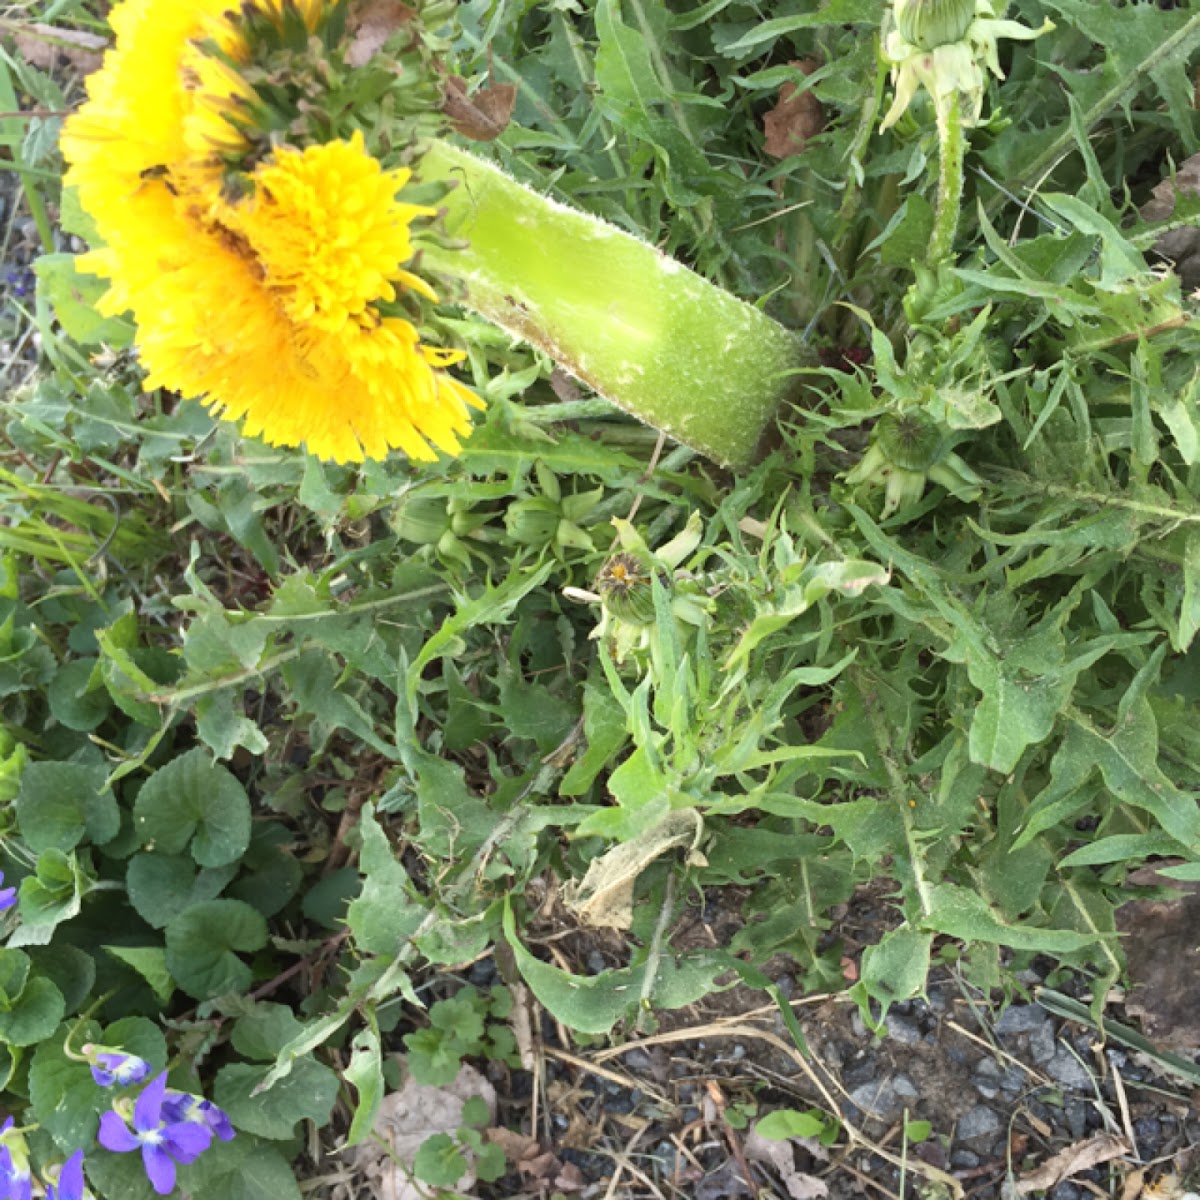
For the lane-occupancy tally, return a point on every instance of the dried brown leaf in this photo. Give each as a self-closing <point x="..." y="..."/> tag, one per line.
<point x="796" y="117"/>
<point x="371" y="23"/>
<point x="604" y="897"/>
<point x="407" y="1119"/>
<point x="780" y="1156"/>
<point x="1181" y="246"/>
<point x="1101" y="1149"/>
<point x="47" y="47"/>
<point x="484" y="116"/>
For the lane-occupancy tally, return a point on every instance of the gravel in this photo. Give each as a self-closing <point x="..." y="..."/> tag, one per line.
<point x="978" y="1122"/>
<point x="903" y="1029"/>
<point x="1068" y="1070"/>
<point x="1022" y="1018"/>
<point x="1042" y="1044"/>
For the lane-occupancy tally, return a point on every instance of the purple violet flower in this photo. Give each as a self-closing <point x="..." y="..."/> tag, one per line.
<point x="8" y="896"/>
<point x="182" y="1106"/>
<point x="163" y="1143"/>
<point x="70" y="1180"/>
<point x="15" y="1181"/>
<point x="114" y="1066"/>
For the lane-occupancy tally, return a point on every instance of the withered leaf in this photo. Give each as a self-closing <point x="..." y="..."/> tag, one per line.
<point x="796" y="117"/>
<point x="1072" y="1160"/>
<point x="370" y="25"/>
<point x="484" y="116"/>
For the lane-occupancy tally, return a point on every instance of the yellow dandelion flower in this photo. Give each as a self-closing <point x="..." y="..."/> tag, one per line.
<point x="275" y="302"/>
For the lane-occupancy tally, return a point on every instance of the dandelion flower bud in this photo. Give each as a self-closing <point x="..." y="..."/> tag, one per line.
<point x="928" y="24"/>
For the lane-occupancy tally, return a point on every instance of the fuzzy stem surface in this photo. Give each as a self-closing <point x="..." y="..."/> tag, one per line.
<point x="639" y="328"/>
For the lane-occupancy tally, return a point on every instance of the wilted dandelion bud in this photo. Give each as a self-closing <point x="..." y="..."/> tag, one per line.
<point x="928" y="24"/>
<point x="910" y="440"/>
<point x="625" y="589"/>
<point x="908" y="451"/>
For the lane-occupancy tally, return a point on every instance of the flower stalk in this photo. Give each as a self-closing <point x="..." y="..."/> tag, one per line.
<point x="952" y="148"/>
<point x="649" y="335"/>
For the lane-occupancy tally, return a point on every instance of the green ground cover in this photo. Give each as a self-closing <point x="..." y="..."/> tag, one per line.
<point x="288" y="745"/>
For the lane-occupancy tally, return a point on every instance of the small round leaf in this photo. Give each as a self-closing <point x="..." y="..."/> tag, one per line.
<point x="161" y="886"/>
<point x="73" y="701"/>
<point x="201" y="943"/>
<point x="61" y="803"/>
<point x="192" y="799"/>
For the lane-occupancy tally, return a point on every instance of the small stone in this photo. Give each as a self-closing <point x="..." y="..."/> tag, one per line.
<point x="879" y="1098"/>
<point x="1149" y="1134"/>
<point x="1021" y="1018"/>
<point x="904" y="1087"/>
<point x="1076" y="1113"/>
<point x="963" y="1159"/>
<point x="1068" y="1070"/>
<point x="1042" y="1047"/>
<point x="1066" y="1190"/>
<point x="857" y="1026"/>
<point x="858" y="1073"/>
<point x="903" y="1029"/>
<point x="482" y="973"/>
<point x="978" y="1122"/>
<point x="987" y="1078"/>
<point x="639" y="1061"/>
<point x="596" y="963"/>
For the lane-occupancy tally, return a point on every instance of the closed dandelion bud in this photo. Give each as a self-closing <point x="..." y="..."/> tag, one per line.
<point x="422" y="519"/>
<point x="928" y="24"/>
<point x="532" y="522"/>
<point x="911" y="441"/>
<point x="625" y="588"/>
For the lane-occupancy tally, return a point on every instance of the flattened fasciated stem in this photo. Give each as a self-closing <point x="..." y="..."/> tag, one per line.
<point x="642" y="330"/>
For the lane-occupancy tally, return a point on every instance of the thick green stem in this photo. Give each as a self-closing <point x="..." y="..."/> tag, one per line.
<point x="952" y="148"/>
<point x="642" y="330"/>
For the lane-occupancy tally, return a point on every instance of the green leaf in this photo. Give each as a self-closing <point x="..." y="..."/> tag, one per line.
<point x="906" y="239"/>
<point x="62" y="803"/>
<point x="52" y="895"/>
<point x="77" y="696"/>
<point x="381" y="917"/>
<point x="962" y="913"/>
<point x="439" y="1162"/>
<point x="595" y="1003"/>
<point x="161" y="886"/>
<point x="243" y="1169"/>
<point x="313" y="683"/>
<point x="604" y="731"/>
<point x="265" y="1030"/>
<point x="364" y="1073"/>
<point x="893" y="970"/>
<point x="35" y="1016"/>
<point x="308" y="1093"/>
<point x="832" y="12"/>
<point x="74" y="297"/>
<point x="1127" y="758"/>
<point x="1122" y="847"/>
<point x="70" y="969"/>
<point x="150" y="962"/>
<point x="491" y="607"/>
<point x="201" y="945"/>
<point x="192" y="799"/>
<point x="14" y="974"/>
<point x="786" y="1123"/>
<point x="271" y="875"/>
